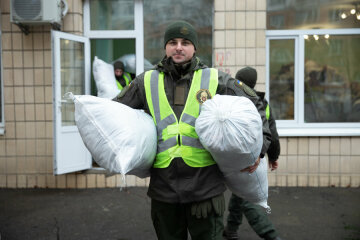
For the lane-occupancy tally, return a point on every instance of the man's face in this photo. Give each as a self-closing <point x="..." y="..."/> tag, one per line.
<point x="180" y="50"/>
<point x="118" y="72"/>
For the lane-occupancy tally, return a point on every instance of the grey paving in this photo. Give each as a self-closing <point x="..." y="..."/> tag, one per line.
<point x="67" y="214"/>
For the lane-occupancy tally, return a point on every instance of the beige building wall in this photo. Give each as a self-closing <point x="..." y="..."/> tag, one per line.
<point x="26" y="148"/>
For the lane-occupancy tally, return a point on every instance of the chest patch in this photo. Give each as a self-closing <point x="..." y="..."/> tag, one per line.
<point x="202" y="95"/>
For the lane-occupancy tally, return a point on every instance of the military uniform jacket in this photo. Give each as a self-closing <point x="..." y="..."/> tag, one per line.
<point x="273" y="151"/>
<point x="180" y="183"/>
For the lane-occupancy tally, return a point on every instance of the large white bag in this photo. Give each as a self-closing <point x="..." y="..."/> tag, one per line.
<point x="105" y="80"/>
<point x="230" y="128"/>
<point x="119" y="138"/>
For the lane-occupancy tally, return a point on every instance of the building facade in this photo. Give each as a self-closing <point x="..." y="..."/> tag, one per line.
<point x="39" y="66"/>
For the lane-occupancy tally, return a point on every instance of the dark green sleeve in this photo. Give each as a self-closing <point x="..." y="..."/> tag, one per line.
<point x="134" y="94"/>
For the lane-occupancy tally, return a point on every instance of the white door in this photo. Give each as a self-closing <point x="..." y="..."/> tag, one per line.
<point x="70" y="74"/>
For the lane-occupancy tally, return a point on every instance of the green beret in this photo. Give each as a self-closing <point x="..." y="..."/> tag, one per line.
<point x="247" y="75"/>
<point x="181" y="29"/>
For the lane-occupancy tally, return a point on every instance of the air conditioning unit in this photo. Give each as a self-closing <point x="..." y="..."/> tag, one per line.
<point x="37" y="12"/>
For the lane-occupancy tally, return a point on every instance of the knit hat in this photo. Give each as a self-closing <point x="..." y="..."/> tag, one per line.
<point x="247" y="75"/>
<point x="119" y="65"/>
<point x="181" y="29"/>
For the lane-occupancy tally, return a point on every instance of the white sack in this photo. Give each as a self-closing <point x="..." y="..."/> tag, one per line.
<point x="119" y="138"/>
<point x="105" y="79"/>
<point x="230" y="128"/>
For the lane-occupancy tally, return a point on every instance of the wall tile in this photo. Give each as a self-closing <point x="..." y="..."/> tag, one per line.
<point x="41" y="181"/>
<point x="40" y="113"/>
<point x="110" y="181"/>
<point x="313" y="164"/>
<point x="292" y="162"/>
<point x="314" y="146"/>
<point x="28" y="42"/>
<point x="261" y="57"/>
<point x="292" y="181"/>
<point x="29" y="112"/>
<point x="3" y="181"/>
<point x="250" y="38"/>
<point x="303" y="164"/>
<point x="335" y="146"/>
<point x="240" y="20"/>
<point x="345" y="181"/>
<point x="324" y="181"/>
<point x="9" y="113"/>
<point x="70" y="180"/>
<point x="100" y="180"/>
<point x="240" y="56"/>
<point x="51" y="181"/>
<point x="219" y="39"/>
<point x="261" y="5"/>
<point x="28" y="59"/>
<point x="345" y="146"/>
<point x="17" y="41"/>
<point x="7" y="59"/>
<point x="28" y="77"/>
<point x="19" y="94"/>
<point x="11" y="181"/>
<point x="11" y="165"/>
<point x="230" y="39"/>
<point x="80" y="181"/>
<point x="260" y="38"/>
<point x="6" y="41"/>
<point x="324" y="164"/>
<point x="38" y="59"/>
<point x="250" y="19"/>
<point x="303" y="146"/>
<point x="240" y="5"/>
<point x="10" y="130"/>
<point x="250" y="56"/>
<point x="240" y="39"/>
<point x="250" y="5"/>
<point x="5" y="22"/>
<point x="39" y="77"/>
<point x="292" y="146"/>
<point x="68" y="24"/>
<point x="8" y="77"/>
<point x="355" y="145"/>
<point x="313" y="181"/>
<point x="219" y="20"/>
<point x="130" y="181"/>
<point x="21" y="181"/>
<point x="38" y="41"/>
<point x="230" y="20"/>
<point x="61" y="181"/>
<point x="18" y="59"/>
<point x="261" y="20"/>
<point x="219" y="5"/>
<point x="324" y="146"/>
<point x="20" y="130"/>
<point x="303" y="180"/>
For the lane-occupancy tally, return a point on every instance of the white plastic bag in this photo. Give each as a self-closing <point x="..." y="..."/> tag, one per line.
<point x="105" y="80"/>
<point x="119" y="138"/>
<point x="230" y="128"/>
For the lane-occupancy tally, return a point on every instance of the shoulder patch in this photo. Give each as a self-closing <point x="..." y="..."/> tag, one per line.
<point x="245" y="88"/>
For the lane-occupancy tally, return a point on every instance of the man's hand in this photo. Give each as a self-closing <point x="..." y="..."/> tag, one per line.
<point x="252" y="168"/>
<point x="273" y="165"/>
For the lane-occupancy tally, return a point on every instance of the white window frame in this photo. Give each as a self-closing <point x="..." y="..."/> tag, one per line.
<point x="137" y="34"/>
<point x="298" y="127"/>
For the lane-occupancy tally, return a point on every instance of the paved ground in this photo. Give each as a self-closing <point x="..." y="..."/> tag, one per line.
<point x="297" y="213"/>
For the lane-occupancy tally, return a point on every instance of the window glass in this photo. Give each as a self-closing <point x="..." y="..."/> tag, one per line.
<point x="282" y="78"/>
<point x="110" y="50"/>
<point x="157" y="16"/>
<point x="112" y="14"/>
<point x="332" y="78"/>
<point x="72" y="75"/>
<point x="312" y="14"/>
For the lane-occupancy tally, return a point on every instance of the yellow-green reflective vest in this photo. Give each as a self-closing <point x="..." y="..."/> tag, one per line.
<point x="178" y="138"/>
<point x="267" y="111"/>
<point x="127" y="78"/>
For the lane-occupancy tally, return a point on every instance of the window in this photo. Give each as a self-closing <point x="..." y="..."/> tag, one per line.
<point x="313" y="78"/>
<point x="158" y="14"/>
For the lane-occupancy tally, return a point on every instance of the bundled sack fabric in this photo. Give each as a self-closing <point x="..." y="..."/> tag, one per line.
<point x="105" y="80"/>
<point x="119" y="138"/>
<point x="230" y="128"/>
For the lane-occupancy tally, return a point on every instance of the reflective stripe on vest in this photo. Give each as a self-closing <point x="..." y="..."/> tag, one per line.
<point x="170" y="131"/>
<point x="267" y="111"/>
<point x="127" y="78"/>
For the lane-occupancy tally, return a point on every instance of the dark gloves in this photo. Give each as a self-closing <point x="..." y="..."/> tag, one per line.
<point x="203" y="208"/>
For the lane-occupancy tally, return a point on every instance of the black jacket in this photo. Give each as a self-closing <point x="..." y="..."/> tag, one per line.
<point x="273" y="151"/>
<point x="180" y="183"/>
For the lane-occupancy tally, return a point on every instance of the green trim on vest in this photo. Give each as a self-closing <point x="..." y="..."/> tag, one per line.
<point x="179" y="138"/>
<point x="127" y="78"/>
<point x="267" y="111"/>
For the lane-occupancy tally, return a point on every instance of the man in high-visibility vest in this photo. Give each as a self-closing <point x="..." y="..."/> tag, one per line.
<point x="123" y="78"/>
<point x="186" y="186"/>
<point x="238" y="207"/>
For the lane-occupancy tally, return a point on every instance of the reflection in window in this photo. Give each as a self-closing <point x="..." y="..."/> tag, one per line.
<point x="332" y="79"/>
<point x="311" y="14"/>
<point x="112" y="14"/>
<point x="282" y="78"/>
<point x="72" y="75"/>
<point x="110" y="50"/>
<point x="157" y="16"/>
